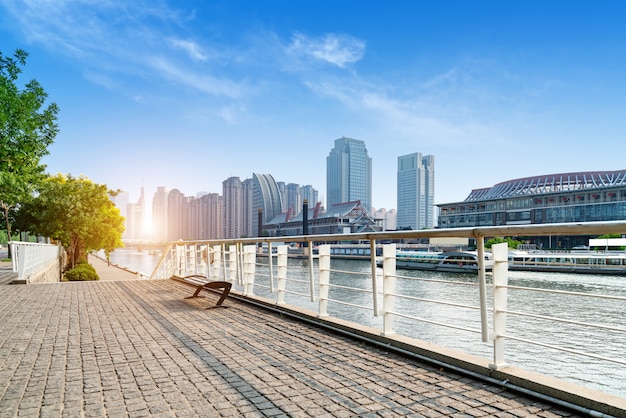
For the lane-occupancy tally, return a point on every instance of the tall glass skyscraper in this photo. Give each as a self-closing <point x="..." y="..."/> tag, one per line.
<point x="349" y="173"/>
<point x="416" y="191"/>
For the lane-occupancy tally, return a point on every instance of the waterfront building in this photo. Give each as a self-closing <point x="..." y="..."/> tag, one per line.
<point x="309" y="194"/>
<point x="349" y="173"/>
<point x="555" y="198"/>
<point x="159" y="214"/>
<point x="266" y="199"/>
<point x="176" y="209"/>
<point x="206" y="217"/>
<point x="232" y="193"/>
<point x="416" y="191"/>
<point x="292" y="199"/>
<point x="389" y="218"/>
<point x="135" y="213"/>
<point x="343" y="218"/>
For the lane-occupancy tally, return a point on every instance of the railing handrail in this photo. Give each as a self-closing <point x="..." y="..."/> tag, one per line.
<point x="572" y="228"/>
<point x="30" y="257"/>
<point x="235" y="260"/>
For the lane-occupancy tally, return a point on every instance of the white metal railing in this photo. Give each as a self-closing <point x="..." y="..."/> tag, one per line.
<point x="262" y="268"/>
<point x="30" y="258"/>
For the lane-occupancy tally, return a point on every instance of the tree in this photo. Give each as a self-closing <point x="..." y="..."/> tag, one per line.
<point x="78" y="213"/>
<point x="512" y="243"/>
<point x="26" y="131"/>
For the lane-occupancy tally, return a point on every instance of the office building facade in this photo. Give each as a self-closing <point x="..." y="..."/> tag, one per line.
<point x="349" y="173"/>
<point x="416" y="192"/>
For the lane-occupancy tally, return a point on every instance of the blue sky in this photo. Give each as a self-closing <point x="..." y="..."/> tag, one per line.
<point x="185" y="94"/>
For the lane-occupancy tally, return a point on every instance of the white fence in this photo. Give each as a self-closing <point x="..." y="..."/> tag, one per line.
<point x="499" y="324"/>
<point x="35" y="262"/>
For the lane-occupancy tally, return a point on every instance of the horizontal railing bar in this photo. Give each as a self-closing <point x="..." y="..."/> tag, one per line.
<point x="291" y="292"/>
<point x="296" y="281"/>
<point x="422" y="279"/>
<point x="369" y="308"/>
<point x="565" y="292"/>
<point x="572" y="228"/>
<point x="562" y="320"/>
<point x="356" y="289"/>
<point x="428" y="321"/>
<point x="438" y="302"/>
<point x="566" y="350"/>
<point x="354" y="273"/>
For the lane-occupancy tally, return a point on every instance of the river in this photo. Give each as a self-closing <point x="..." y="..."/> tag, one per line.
<point x="596" y="374"/>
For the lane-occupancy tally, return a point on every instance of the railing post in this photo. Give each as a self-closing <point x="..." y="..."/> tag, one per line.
<point x="500" y="281"/>
<point x="240" y="263"/>
<point x="270" y="265"/>
<point x="374" y="276"/>
<point x="249" y="263"/>
<point x="389" y="286"/>
<point x="324" y="272"/>
<point x="281" y="262"/>
<point x="311" y="273"/>
<point x="232" y="264"/>
<point x="482" y="288"/>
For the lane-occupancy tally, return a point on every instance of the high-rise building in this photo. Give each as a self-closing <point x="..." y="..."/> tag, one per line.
<point x="349" y="173"/>
<point x="266" y="199"/>
<point x="175" y="219"/>
<point x="309" y="194"/>
<point x="135" y="218"/>
<point x="416" y="191"/>
<point x="292" y="200"/>
<point x="159" y="214"/>
<point x="232" y="190"/>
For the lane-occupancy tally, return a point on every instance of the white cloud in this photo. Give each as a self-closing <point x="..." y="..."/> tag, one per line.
<point x="191" y="48"/>
<point x="336" y="49"/>
<point x="201" y="82"/>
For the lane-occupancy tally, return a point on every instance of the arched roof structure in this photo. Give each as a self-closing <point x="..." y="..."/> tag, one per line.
<point x="551" y="183"/>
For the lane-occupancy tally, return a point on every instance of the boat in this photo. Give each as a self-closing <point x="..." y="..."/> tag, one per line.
<point x="445" y="261"/>
<point x="590" y="262"/>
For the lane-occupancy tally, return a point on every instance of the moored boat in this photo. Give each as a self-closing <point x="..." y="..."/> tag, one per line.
<point x="447" y="261"/>
<point x="574" y="262"/>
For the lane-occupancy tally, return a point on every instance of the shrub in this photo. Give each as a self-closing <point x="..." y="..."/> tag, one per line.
<point x="82" y="272"/>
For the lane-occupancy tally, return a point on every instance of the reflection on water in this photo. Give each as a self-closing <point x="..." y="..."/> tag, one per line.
<point x="597" y="374"/>
<point x="138" y="261"/>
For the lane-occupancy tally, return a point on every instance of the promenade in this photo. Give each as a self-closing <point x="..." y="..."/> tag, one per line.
<point x="138" y="348"/>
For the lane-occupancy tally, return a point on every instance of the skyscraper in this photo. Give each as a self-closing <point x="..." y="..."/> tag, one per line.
<point x="232" y="191"/>
<point x="349" y="173"/>
<point x="416" y="191"/>
<point x="266" y="199"/>
<point x="159" y="214"/>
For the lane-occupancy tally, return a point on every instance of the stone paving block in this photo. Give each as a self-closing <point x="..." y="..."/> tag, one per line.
<point x="138" y="348"/>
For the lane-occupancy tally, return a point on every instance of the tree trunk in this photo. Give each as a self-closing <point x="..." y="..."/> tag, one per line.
<point x="5" y="210"/>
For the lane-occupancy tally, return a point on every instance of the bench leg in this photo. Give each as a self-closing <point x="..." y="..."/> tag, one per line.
<point x="219" y="285"/>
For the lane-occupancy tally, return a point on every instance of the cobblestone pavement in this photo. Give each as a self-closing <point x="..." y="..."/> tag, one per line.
<point x="138" y="349"/>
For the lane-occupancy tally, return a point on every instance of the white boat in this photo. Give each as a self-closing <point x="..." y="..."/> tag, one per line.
<point x="574" y="262"/>
<point x="446" y="261"/>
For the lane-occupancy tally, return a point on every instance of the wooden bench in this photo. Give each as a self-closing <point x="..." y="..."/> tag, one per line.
<point x="213" y="287"/>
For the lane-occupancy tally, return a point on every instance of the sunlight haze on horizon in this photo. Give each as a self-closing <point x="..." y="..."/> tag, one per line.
<point x="187" y="94"/>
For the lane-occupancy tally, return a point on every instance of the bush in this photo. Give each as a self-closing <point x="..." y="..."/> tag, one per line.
<point x="82" y="272"/>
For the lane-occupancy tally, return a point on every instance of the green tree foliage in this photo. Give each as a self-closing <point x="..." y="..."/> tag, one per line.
<point x="512" y="243"/>
<point x="78" y="213"/>
<point x="26" y="131"/>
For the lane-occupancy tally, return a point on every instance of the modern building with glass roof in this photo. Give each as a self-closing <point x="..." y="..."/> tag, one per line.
<point x="554" y="198"/>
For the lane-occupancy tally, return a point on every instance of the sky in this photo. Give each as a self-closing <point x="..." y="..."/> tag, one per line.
<point x="185" y="94"/>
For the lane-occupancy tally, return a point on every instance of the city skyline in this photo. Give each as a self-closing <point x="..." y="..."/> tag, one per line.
<point x="187" y="94"/>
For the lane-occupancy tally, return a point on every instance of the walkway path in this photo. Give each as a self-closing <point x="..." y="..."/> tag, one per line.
<point x="138" y="348"/>
<point x="109" y="271"/>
